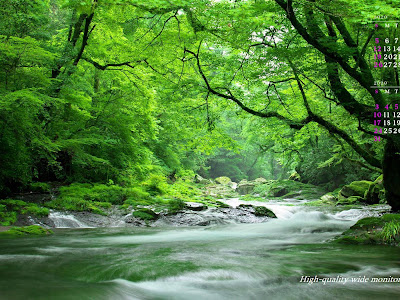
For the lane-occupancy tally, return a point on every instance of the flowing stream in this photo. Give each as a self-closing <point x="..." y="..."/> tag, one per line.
<point x="233" y="261"/>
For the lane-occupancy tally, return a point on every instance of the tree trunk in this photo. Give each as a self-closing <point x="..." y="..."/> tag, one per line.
<point x="391" y="174"/>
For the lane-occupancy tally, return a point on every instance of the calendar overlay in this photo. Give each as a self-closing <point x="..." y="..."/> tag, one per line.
<point x="386" y="58"/>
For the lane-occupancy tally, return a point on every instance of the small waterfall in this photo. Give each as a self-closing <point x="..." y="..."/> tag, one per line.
<point x="63" y="220"/>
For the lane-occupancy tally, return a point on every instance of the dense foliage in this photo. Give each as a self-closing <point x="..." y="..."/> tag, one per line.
<point x="129" y="92"/>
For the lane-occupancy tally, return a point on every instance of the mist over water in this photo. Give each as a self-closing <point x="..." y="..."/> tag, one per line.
<point x="233" y="261"/>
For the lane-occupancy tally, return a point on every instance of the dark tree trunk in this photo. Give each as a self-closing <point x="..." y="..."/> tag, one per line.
<point x="391" y="174"/>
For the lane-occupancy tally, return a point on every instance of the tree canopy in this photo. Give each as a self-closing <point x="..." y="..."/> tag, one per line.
<point x="100" y="90"/>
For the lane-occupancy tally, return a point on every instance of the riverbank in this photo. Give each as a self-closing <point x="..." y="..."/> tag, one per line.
<point x="220" y="261"/>
<point x="183" y="203"/>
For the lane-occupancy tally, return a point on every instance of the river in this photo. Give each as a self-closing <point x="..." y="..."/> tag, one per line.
<point x="231" y="261"/>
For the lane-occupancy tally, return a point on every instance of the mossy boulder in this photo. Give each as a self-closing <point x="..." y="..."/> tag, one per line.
<point x="372" y="195"/>
<point x="356" y="188"/>
<point x="366" y="191"/>
<point x="223" y="180"/>
<point x="145" y="214"/>
<point x="350" y="200"/>
<point x="329" y="197"/>
<point x="260" y="180"/>
<point x="278" y="191"/>
<point x="34" y="230"/>
<point x="199" y="179"/>
<point x="376" y="192"/>
<point x="372" y="230"/>
<point x="245" y="188"/>
<point x="261" y="211"/>
<point x="289" y="189"/>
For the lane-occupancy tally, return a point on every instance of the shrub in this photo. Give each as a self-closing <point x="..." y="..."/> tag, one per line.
<point x="156" y="184"/>
<point x="10" y="208"/>
<point x="40" y="187"/>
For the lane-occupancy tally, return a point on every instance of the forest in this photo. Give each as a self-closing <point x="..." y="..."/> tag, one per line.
<point x="152" y="109"/>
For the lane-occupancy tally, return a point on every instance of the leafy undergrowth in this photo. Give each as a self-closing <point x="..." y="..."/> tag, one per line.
<point x="34" y="230"/>
<point x="154" y="192"/>
<point x="93" y="197"/>
<point x="373" y="230"/>
<point x="10" y="209"/>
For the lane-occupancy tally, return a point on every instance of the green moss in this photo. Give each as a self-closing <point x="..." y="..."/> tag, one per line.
<point x="102" y="204"/>
<point x="27" y="230"/>
<point x="363" y="239"/>
<point x="350" y="200"/>
<point x="289" y="189"/>
<point x="175" y="206"/>
<point x="373" y="230"/>
<point x="221" y="204"/>
<point x="10" y="209"/>
<point x="356" y="188"/>
<point x="35" y="210"/>
<point x="249" y="197"/>
<point x="262" y="211"/>
<point x="223" y="180"/>
<point x="96" y="197"/>
<point x="145" y="214"/>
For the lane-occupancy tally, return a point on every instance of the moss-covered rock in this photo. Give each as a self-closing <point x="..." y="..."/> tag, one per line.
<point x="261" y="211"/>
<point x="34" y="230"/>
<point x="223" y="180"/>
<point x="245" y="188"/>
<point x="373" y="230"/>
<point x="260" y="180"/>
<point x="366" y="192"/>
<point x="329" y="197"/>
<point x="289" y="189"/>
<point x="278" y="191"/>
<point x="145" y="214"/>
<point x="356" y="188"/>
<point x="372" y="194"/>
<point x="350" y="200"/>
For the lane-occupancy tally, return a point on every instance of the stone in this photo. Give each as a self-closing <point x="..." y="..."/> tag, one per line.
<point x="201" y="180"/>
<point x="349" y="200"/>
<point x="295" y="176"/>
<point x="356" y="188"/>
<point x="261" y="211"/>
<point x="195" y="206"/>
<point x="245" y="188"/>
<point x="260" y="180"/>
<point x="372" y="194"/>
<point x="223" y="180"/>
<point x="329" y="198"/>
<point x="278" y="191"/>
